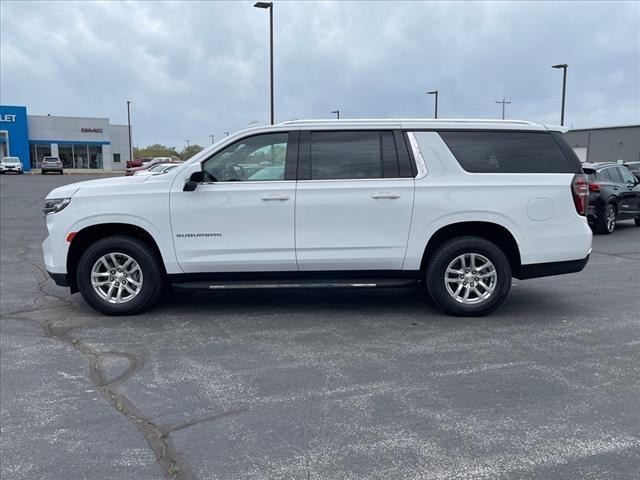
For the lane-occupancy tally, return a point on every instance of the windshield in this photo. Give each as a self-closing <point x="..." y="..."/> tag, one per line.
<point x="10" y="160"/>
<point x="50" y="160"/>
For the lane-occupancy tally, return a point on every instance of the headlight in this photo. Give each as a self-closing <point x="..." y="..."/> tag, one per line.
<point x="54" y="205"/>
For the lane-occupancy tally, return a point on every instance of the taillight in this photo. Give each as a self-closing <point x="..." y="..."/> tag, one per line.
<point x="580" y="190"/>
<point x="594" y="187"/>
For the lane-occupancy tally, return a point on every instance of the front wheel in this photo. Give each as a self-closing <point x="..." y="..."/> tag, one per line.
<point x="120" y="275"/>
<point x="468" y="276"/>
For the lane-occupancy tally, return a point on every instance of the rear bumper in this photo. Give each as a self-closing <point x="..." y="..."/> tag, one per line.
<point x="536" y="270"/>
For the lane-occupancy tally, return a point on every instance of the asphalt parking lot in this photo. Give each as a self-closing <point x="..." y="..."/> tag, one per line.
<point x="317" y="384"/>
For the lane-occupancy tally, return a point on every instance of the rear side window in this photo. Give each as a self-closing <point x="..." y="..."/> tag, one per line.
<point x="336" y="155"/>
<point x="627" y="176"/>
<point x="507" y="152"/>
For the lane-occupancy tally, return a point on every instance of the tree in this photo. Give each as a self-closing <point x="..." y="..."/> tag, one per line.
<point x="191" y="151"/>
<point x="155" y="150"/>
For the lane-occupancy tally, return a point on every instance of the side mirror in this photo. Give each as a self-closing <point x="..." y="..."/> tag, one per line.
<point x="194" y="180"/>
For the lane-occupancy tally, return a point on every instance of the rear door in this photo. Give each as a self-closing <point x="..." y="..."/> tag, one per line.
<point x="354" y="200"/>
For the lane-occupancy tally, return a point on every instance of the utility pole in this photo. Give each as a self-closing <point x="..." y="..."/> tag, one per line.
<point x="212" y="139"/>
<point x="503" y="102"/>
<point x="187" y="152"/>
<point x="129" y="126"/>
<point x="337" y="112"/>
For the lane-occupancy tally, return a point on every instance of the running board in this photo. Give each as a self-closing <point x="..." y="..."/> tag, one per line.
<point x="298" y="283"/>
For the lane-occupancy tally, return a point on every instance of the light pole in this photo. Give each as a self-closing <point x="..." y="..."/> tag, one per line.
<point x="563" y="66"/>
<point x="434" y="92"/>
<point x="269" y="6"/>
<point x="337" y="112"/>
<point x="226" y="134"/>
<point x="129" y="127"/>
<point x="212" y="139"/>
<point x="187" y="152"/>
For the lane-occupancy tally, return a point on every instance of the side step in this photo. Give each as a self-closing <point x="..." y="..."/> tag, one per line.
<point x="296" y="283"/>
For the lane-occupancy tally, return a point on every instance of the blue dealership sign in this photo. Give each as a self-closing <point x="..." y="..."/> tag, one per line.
<point x="14" y="133"/>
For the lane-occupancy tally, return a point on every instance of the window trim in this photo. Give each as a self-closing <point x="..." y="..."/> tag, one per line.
<point x="292" y="155"/>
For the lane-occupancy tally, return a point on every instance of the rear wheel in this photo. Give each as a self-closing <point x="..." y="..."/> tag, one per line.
<point x="606" y="223"/>
<point x="120" y="275"/>
<point x="468" y="276"/>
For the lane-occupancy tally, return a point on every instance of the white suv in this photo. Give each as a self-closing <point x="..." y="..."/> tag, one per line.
<point x="462" y="206"/>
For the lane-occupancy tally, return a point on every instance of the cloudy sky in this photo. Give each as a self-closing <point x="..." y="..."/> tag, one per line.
<point x="193" y="69"/>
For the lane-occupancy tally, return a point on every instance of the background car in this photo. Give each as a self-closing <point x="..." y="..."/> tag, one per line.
<point x="11" y="164"/>
<point x="137" y="162"/>
<point x="634" y="167"/>
<point x="614" y="194"/>
<point x="149" y="163"/>
<point x="157" y="169"/>
<point x="51" y="164"/>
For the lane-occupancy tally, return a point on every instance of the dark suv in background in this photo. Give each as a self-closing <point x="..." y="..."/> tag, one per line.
<point x="614" y="194"/>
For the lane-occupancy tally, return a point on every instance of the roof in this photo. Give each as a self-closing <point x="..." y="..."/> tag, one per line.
<point x="420" y="123"/>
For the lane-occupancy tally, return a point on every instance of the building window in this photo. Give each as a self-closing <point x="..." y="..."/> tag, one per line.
<point x="65" y="153"/>
<point x="116" y="158"/>
<point x="80" y="156"/>
<point x="95" y="156"/>
<point x="38" y="152"/>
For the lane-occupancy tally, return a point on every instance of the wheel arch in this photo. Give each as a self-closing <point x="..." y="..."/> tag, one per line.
<point x="493" y="232"/>
<point x="90" y="234"/>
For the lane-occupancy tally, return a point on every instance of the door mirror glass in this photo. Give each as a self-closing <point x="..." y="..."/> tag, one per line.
<point x="194" y="180"/>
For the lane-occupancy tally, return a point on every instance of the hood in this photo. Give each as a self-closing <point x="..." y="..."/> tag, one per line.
<point x="68" y="191"/>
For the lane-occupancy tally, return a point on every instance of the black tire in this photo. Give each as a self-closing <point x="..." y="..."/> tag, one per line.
<point x="143" y="254"/>
<point x="603" y="225"/>
<point x="447" y="253"/>
<point x="637" y="221"/>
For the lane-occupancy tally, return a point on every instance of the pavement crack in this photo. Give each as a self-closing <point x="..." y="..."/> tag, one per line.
<point x="212" y="418"/>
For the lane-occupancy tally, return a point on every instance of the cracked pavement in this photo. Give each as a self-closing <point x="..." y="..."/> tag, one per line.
<point x="316" y="384"/>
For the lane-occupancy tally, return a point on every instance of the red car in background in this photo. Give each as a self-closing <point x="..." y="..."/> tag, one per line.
<point x="149" y="163"/>
<point x="137" y="162"/>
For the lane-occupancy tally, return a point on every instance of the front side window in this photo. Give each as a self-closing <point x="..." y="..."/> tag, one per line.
<point x="614" y="173"/>
<point x="506" y="152"/>
<point x="257" y="158"/>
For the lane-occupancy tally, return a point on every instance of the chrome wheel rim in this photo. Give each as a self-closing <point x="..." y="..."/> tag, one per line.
<point x="116" y="278"/>
<point x="611" y="219"/>
<point x="470" y="278"/>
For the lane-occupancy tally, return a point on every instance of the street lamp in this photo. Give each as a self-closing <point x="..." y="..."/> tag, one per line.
<point x="212" y="139"/>
<point x="435" y="92"/>
<point x="337" y="112"/>
<point x="187" y="151"/>
<point x="226" y="134"/>
<point x="563" y="66"/>
<point x="129" y="127"/>
<point x="269" y="6"/>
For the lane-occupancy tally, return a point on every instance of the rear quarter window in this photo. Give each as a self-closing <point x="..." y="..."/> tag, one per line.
<point x="507" y="152"/>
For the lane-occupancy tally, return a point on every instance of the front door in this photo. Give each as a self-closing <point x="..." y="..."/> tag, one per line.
<point x="242" y="218"/>
<point x="630" y="193"/>
<point x="353" y="206"/>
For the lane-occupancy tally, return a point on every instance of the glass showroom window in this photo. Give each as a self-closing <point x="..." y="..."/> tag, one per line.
<point x="81" y="156"/>
<point x="95" y="156"/>
<point x="65" y="152"/>
<point x="38" y="152"/>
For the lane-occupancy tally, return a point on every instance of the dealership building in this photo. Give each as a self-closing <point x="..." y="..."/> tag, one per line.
<point x="80" y="142"/>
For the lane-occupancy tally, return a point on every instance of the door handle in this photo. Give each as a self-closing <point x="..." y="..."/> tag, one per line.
<point x="615" y="188"/>
<point x="377" y="195"/>
<point x="274" y="196"/>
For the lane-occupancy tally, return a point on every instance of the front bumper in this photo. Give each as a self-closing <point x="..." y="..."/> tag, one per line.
<point x="61" y="279"/>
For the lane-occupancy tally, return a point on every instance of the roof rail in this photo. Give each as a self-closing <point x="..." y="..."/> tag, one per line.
<point x="404" y="120"/>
